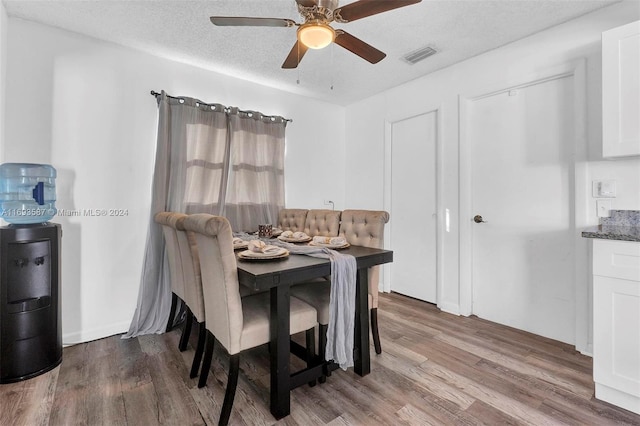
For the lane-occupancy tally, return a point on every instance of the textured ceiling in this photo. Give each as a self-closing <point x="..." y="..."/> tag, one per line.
<point x="181" y="30"/>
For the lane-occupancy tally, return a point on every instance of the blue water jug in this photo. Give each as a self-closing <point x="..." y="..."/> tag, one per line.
<point x="27" y="192"/>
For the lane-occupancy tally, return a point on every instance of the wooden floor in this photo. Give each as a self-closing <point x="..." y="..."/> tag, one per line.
<point x="435" y="368"/>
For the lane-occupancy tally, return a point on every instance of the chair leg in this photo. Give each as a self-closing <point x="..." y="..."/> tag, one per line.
<point x="172" y="311"/>
<point x="322" y="342"/>
<point x="229" y="395"/>
<point x="374" y="330"/>
<point x="311" y="350"/>
<point x="197" y="357"/>
<point x="206" y="363"/>
<point x="186" y="331"/>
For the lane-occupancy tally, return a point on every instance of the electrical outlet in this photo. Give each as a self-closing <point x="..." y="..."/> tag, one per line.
<point x="603" y="207"/>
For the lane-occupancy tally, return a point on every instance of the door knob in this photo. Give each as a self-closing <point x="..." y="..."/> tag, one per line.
<point x="478" y="219"/>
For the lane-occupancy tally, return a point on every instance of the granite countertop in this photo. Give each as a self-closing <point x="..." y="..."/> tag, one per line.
<point x="623" y="225"/>
<point x="613" y="232"/>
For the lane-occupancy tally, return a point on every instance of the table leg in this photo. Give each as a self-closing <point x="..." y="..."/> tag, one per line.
<point x="362" y="363"/>
<point x="279" y="357"/>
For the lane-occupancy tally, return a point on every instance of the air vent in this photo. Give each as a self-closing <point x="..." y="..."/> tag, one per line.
<point x="418" y="55"/>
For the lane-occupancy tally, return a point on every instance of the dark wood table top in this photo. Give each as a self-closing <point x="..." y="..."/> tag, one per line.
<point x="295" y="268"/>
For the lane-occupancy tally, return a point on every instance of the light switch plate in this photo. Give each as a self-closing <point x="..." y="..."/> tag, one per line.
<point x="603" y="207"/>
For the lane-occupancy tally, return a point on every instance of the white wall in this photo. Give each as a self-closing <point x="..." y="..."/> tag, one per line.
<point x="84" y="106"/>
<point x="3" y="66"/>
<point x="509" y="65"/>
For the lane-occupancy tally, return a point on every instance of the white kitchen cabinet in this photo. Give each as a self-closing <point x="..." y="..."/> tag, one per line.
<point x="621" y="91"/>
<point x="616" y="322"/>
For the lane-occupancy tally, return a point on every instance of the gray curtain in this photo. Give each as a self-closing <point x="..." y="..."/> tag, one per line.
<point x="255" y="193"/>
<point x="209" y="159"/>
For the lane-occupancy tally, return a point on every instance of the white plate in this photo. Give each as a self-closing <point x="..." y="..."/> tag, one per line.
<point x="330" y="246"/>
<point x="294" y="240"/>
<point x="252" y="255"/>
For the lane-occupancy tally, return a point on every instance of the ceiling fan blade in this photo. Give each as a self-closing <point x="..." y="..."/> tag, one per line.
<point x="295" y="56"/>
<point x="359" y="47"/>
<point x="307" y="3"/>
<point x="363" y="8"/>
<point x="243" y="21"/>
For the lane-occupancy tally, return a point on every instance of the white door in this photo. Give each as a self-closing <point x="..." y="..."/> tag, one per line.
<point x="413" y="206"/>
<point x="522" y="185"/>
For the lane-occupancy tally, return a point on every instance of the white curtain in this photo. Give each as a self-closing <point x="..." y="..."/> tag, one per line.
<point x="209" y="159"/>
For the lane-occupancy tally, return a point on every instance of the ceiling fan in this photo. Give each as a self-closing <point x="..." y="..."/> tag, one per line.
<point x="316" y="33"/>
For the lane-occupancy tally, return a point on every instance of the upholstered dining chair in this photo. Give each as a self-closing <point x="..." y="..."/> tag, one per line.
<point x="292" y="219"/>
<point x="366" y="228"/>
<point x="193" y="297"/>
<point x="192" y="286"/>
<point x="167" y="221"/>
<point x="320" y="222"/>
<point x="362" y="228"/>
<point x="237" y="323"/>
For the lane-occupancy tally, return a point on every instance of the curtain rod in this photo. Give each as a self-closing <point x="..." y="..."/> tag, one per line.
<point x="227" y="109"/>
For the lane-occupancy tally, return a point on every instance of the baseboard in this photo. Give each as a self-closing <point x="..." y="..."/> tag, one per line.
<point x="451" y="308"/>
<point x="83" y="336"/>
<point x="588" y="351"/>
<point x="618" y="398"/>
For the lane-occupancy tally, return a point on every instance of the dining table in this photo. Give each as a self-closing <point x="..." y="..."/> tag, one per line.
<point x="277" y="276"/>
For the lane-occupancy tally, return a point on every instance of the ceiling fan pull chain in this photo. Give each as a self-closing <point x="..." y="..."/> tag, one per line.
<point x="298" y="68"/>
<point x="333" y="70"/>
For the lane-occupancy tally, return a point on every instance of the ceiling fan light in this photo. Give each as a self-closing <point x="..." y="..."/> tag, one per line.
<point x="316" y="35"/>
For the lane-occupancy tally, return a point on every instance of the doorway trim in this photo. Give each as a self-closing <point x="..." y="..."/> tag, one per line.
<point x="440" y="216"/>
<point x="579" y="178"/>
